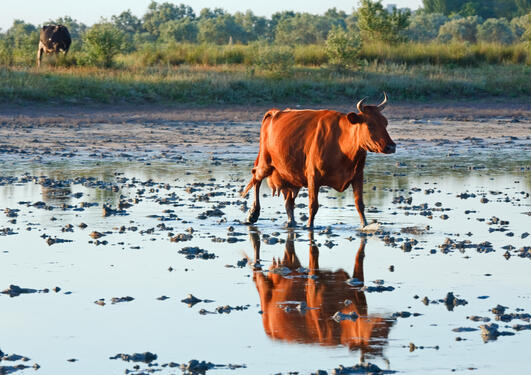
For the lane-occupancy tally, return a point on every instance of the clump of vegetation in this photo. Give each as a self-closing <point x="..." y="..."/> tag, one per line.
<point x="102" y="43"/>
<point x="275" y="59"/>
<point x="343" y="48"/>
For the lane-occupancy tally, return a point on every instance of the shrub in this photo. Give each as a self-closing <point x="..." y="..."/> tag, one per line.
<point x="343" y="48"/>
<point x="459" y="29"/>
<point x="6" y="52"/>
<point x="276" y="59"/>
<point x="103" y="42"/>
<point x="376" y="23"/>
<point x="425" y="27"/>
<point x="496" y="30"/>
<point x="521" y="27"/>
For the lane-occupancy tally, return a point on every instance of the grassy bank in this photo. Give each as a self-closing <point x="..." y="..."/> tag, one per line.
<point x="241" y="84"/>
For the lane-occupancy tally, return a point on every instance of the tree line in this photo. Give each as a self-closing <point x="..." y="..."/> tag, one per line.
<point x="498" y="21"/>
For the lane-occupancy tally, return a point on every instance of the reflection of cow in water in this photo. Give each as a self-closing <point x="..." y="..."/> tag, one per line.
<point x="325" y="292"/>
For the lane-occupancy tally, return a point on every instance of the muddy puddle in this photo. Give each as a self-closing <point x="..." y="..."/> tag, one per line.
<point x="141" y="263"/>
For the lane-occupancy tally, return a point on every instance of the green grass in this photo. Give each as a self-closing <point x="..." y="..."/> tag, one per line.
<point x="238" y="84"/>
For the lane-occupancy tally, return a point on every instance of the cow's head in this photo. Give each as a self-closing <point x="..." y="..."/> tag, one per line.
<point x="372" y="127"/>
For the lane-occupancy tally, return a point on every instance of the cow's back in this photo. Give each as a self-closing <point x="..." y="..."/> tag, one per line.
<point x="52" y="36"/>
<point x="290" y="136"/>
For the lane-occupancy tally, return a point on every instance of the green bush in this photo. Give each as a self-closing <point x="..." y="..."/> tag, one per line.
<point x="275" y="59"/>
<point x="102" y="43"/>
<point x="496" y="30"/>
<point x="343" y="48"/>
<point x="377" y="24"/>
<point x="460" y="29"/>
<point x="6" y="52"/>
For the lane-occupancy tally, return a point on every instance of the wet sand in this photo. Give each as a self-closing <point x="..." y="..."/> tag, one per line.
<point x="141" y="128"/>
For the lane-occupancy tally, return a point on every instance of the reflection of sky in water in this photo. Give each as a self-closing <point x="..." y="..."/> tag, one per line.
<point x="51" y="328"/>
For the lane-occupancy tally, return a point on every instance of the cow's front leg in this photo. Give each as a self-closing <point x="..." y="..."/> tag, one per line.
<point x="313" y="193"/>
<point x="39" y="56"/>
<point x="289" y="203"/>
<point x="254" y="212"/>
<point x="357" y="186"/>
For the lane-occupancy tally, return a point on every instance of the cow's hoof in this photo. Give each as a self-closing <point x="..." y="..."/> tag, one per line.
<point x="372" y="227"/>
<point x="290" y="224"/>
<point x="253" y="216"/>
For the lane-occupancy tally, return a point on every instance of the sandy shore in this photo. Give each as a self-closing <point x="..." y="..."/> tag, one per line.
<point x="129" y="128"/>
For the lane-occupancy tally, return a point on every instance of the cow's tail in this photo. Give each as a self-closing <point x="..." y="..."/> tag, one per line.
<point x="269" y="114"/>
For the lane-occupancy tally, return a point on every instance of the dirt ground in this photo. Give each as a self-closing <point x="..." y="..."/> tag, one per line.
<point x="129" y="127"/>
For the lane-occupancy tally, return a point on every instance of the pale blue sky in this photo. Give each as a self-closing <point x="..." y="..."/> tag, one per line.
<point x="89" y="11"/>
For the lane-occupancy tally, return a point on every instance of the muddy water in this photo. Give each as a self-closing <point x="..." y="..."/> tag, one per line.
<point x="435" y="204"/>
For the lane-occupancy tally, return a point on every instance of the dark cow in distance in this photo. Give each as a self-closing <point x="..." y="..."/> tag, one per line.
<point x="314" y="148"/>
<point x="53" y="39"/>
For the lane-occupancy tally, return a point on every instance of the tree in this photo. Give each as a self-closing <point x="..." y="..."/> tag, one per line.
<point x="183" y="30"/>
<point x="425" y="26"/>
<point x="376" y="23"/>
<point x="127" y="22"/>
<point x="103" y="42"/>
<point x="521" y="27"/>
<point x="343" y="48"/>
<point x="255" y="27"/>
<point x="220" y="30"/>
<point x="496" y="30"/>
<point x="483" y="8"/>
<point x="460" y="29"/>
<point x="161" y="13"/>
<point x="303" y="28"/>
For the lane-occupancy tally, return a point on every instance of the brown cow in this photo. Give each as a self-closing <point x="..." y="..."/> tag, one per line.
<point x="308" y="148"/>
<point x="324" y="293"/>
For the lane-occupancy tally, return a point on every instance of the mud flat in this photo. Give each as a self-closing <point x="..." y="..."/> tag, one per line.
<point x="123" y="248"/>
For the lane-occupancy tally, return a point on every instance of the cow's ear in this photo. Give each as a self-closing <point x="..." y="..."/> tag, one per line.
<point x="354" y="118"/>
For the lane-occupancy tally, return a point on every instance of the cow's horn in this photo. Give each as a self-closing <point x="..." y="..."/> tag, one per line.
<point x="382" y="105"/>
<point x="360" y="105"/>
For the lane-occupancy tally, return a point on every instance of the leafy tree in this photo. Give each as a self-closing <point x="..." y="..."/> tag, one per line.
<point x="521" y="27"/>
<point x="220" y="30"/>
<point x="23" y="39"/>
<point x="303" y="28"/>
<point x="255" y="27"/>
<point x="376" y="23"/>
<point x="496" y="30"/>
<point x="460" y="29"/>
<point x="23" y="35"/>
<point x="343" y="48"/>
<point x="103" y="42"/>
<point x="207" y="13"/>
<point x="161" y="13"/>
<point x="183" y="30"/>
<point x="425" y="26"/>
<point x="482" y="8"/>
<point x="127" y="22"/>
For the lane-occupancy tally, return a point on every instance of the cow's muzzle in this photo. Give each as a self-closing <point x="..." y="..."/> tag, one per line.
<point x="390" y="149"/>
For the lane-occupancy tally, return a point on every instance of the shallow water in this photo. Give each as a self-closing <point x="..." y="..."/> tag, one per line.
<point x="269" y="335"/>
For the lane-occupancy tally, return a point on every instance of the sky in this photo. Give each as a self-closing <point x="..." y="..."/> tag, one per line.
<point x="88" y="12"/>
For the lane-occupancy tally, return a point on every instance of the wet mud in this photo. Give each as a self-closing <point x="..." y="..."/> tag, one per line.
<point x="125" y="249"/>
